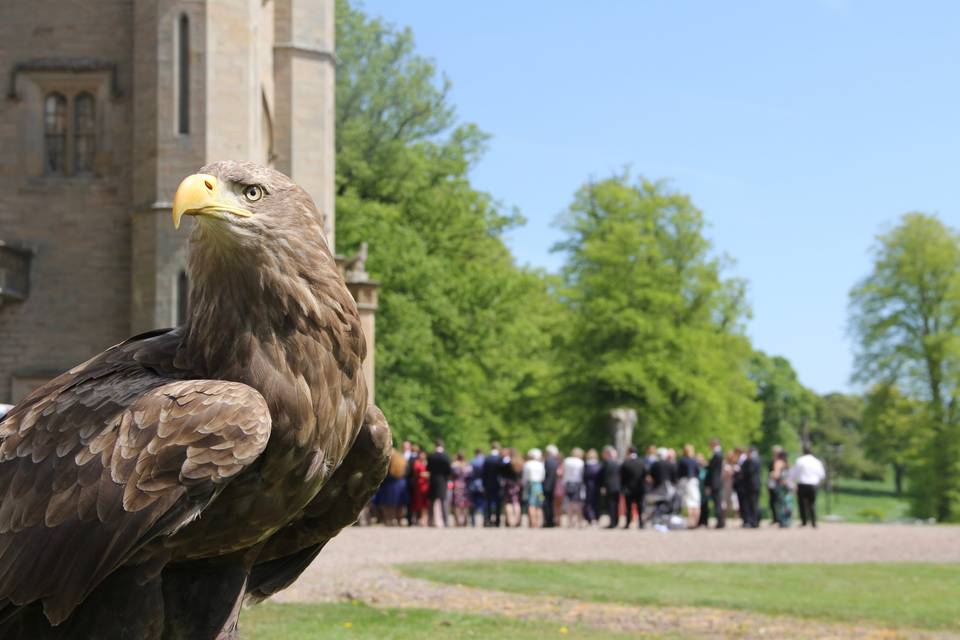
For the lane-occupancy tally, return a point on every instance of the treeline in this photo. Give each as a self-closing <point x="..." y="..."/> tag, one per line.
<point x="473" y="347"/>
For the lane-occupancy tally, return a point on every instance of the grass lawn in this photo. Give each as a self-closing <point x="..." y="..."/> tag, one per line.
<point x="864" y="501"/>
<point x="338" y="621"/>
<point x="909" y="595"/>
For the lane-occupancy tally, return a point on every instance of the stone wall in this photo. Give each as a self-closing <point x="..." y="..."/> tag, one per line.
<point x="78" y="226"/>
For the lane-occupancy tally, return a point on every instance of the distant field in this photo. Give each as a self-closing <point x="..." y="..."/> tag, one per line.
<point x="865" y="501"/>
<point x="339" y="621"/>
<point x="898" y="595"/>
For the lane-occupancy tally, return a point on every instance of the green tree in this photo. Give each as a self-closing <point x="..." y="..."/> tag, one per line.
<point x="653" y="324"/>
<point x="893" y="425"/>
<point x="906" y="319"/>
<point x="463" y="338"/>
<point x="787" y="405"/>
<point x="836" y="435"/>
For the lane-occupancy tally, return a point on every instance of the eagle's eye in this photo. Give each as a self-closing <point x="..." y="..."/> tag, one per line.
<point x="253" y="192"/>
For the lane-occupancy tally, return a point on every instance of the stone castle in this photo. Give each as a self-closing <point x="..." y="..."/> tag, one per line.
<point x="108" y="104"/>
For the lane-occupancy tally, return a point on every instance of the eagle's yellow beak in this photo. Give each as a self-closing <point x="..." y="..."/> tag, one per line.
<point x="200" y="194"/>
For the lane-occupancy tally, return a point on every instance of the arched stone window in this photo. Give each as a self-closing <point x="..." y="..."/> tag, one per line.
<point x="84" y="132"/>
<point x="55" y="134"/>
<point x="183" y="75"/>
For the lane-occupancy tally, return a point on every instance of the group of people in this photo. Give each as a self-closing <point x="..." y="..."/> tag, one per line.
<point x="660" y="488"/>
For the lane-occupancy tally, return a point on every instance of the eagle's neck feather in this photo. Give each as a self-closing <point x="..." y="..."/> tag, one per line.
<point x="282" y="322"/>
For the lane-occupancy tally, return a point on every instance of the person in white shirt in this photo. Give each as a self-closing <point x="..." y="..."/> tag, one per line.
<point x="533" y="474"/>
<point x="807" y="473"/>
<point x="573" y="486"/>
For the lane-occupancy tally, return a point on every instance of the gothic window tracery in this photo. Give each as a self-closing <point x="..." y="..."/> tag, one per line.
<point x="84" y="132"/>
<point x="55" y="133"/>
<point x="69" y="132"/>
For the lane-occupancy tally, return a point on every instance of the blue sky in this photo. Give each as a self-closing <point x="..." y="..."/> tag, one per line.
<point x="800" y="128"/>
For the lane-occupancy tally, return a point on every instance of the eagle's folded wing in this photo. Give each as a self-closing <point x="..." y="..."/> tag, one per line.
<point x="105" y="458"/>
<point x="291" y="550"/>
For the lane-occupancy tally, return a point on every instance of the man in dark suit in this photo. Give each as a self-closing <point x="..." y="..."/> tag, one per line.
<point x="739" y="485"/>
<point x="438" y="466"/>
<point x="633" y="475"/>
<point x="550" y="466"/>
<point x="713" y="487"/>
<point x="492" y="489"/>
<point x="611" y="485"/>
<point x="751" y="488"/>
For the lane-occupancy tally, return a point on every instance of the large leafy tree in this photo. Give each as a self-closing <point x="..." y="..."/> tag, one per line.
<point x="793" y="414"/>
<point x="836" y="434"/>
<point x="893" y="426"/>
<point x="462" y="340"/>
<point x="906" y="318"/>
<point x="787" y="406"/>
<point x="654" y="325"/>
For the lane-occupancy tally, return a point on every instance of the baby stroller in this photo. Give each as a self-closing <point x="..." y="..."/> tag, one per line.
<point x="664" y="505"/>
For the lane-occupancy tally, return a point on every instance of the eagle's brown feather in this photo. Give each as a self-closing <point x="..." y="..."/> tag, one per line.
<point x="92" y="462"/>
<point x="289" y="552"/>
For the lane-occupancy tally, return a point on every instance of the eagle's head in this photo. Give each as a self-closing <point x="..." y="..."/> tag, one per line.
<point x="244" y="205"/>
<point x="257" y="245"/>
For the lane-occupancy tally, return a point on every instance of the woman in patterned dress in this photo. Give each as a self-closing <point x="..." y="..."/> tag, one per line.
<point x="460" y="473"/>
<point x="512" y="487"/>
